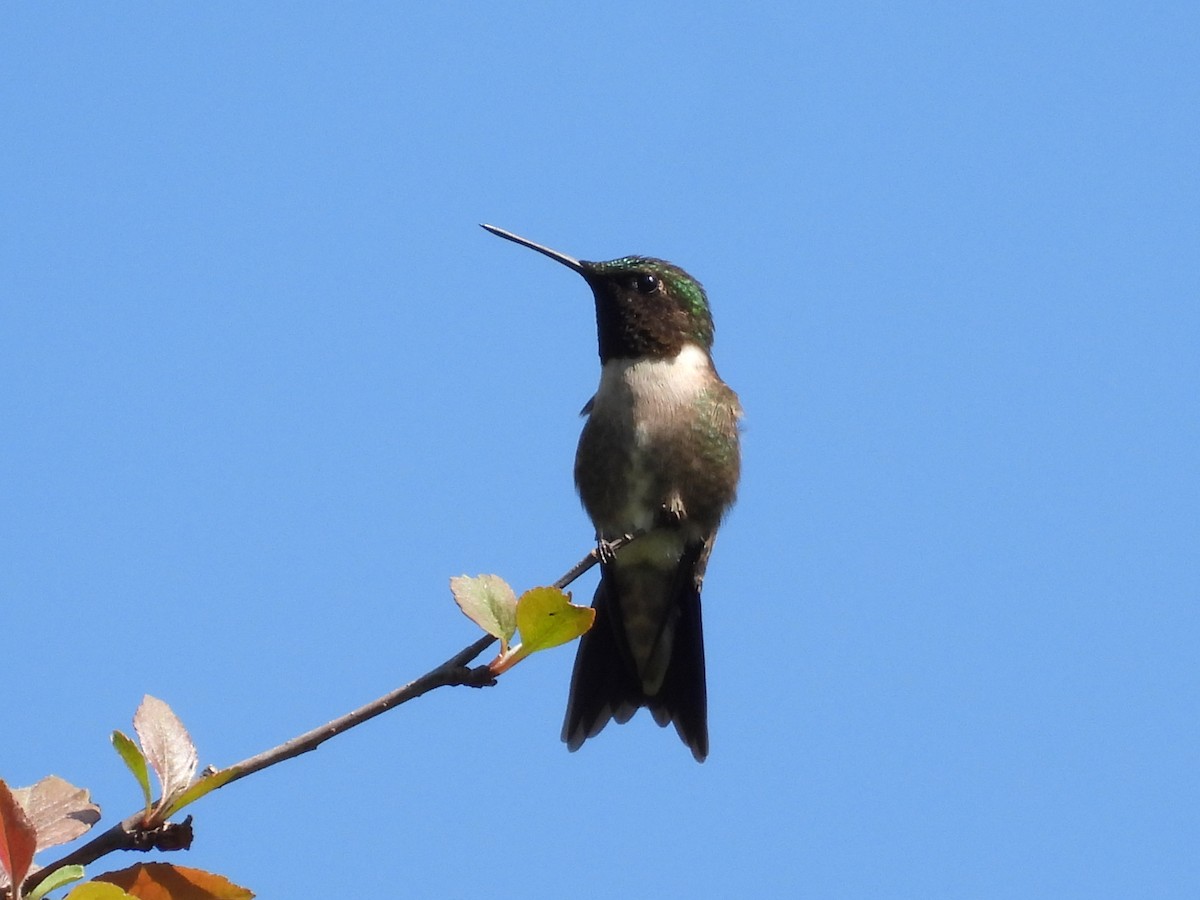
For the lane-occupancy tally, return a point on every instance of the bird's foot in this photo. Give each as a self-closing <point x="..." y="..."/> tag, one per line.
<point x="673" y="511"/>
<point x="606" y="550"/>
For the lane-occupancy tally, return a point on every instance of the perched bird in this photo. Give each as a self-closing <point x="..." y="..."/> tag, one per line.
<point x="659" y="455"/>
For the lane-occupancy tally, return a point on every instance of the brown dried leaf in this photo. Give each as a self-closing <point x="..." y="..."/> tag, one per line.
<point x="58" y="811"/>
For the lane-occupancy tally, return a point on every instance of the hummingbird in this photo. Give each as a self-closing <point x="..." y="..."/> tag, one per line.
<point x="659" y="457"/>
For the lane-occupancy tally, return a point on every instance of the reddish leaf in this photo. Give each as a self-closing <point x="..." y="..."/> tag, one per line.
<point x="162" y="881"/>
<point x="18" y="840"/>
<point x="168" y="747"/>
<point x="57" y="810"/>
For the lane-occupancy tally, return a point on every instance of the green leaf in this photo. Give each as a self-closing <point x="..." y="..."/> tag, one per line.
<point x="136" y="761"/>
<point x="54" y="880"/>
<point x="489" y="602"/>
<point x="546" y="618"/>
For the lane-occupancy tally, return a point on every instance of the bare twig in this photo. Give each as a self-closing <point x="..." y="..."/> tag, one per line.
<point x="130" y="834"/>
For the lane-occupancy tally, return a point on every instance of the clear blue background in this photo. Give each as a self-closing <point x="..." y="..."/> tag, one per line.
<point x="266" y="386"/>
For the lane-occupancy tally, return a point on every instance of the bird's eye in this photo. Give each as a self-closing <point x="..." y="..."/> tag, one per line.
<point x="645" y="283"/>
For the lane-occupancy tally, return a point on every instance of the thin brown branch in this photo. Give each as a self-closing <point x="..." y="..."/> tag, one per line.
<point x="453" y="671"/>
<point x="130" y="834"/>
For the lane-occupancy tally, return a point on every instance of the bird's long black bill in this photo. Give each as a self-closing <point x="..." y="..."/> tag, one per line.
<point x="569" y="261"/>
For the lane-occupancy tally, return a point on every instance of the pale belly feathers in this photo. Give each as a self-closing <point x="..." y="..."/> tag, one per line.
<point x="644" y="403"/>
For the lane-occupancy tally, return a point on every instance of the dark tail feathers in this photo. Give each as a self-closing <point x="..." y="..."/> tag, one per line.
<point x="605" y="684"/>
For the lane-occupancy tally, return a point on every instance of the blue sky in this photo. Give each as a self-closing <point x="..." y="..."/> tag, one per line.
<point x="267" y="387"/>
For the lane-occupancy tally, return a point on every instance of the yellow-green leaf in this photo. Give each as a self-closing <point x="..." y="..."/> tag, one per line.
<point x="55" y="880"/>
<point x="546" y="617"/>
<point x="203" y="785"/>
<point x="97" y="890"/>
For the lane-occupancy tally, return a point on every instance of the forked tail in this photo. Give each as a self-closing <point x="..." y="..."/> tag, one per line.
<point x="605" y="683"/>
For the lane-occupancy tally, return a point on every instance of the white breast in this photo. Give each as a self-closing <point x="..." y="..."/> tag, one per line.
<point x="656" y="392"/>
<point x="655" y="388"/>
